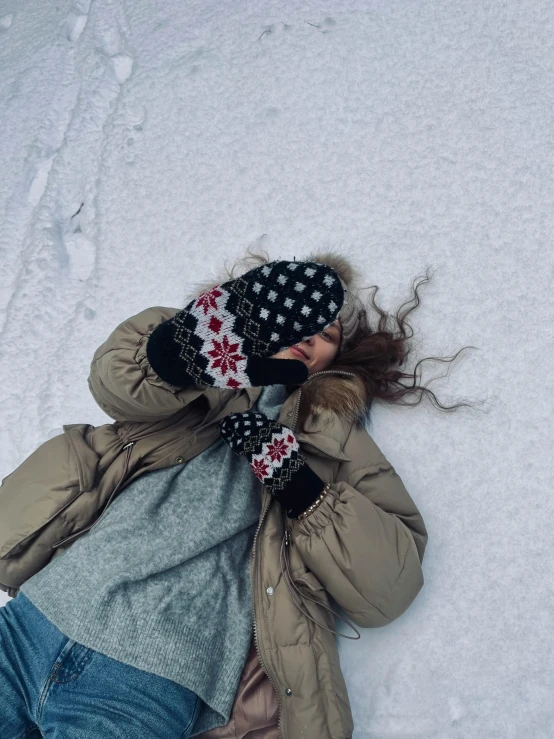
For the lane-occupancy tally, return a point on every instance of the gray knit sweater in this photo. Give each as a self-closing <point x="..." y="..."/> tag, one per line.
<point x="163" y="581"/>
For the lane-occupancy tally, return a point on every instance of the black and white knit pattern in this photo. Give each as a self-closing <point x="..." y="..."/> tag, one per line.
<point x="214" y="339"/>
<point x="271" y="448"/>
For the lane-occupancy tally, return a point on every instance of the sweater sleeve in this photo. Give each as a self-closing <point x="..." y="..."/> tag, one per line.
<point x="124" y="384"/>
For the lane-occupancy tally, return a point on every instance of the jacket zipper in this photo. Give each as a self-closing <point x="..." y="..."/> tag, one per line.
<point x="255" y="568"/>
<point x="287" y="542"/>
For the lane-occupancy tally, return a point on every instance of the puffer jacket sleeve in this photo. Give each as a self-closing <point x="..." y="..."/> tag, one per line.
<point x="365" y="542"/>
<point x="122" y="381"/>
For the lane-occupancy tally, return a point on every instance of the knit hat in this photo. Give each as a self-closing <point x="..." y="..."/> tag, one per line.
<point x="348" y="315"/>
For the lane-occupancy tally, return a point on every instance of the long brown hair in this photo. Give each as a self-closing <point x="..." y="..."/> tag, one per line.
<point x="372" y="354"/>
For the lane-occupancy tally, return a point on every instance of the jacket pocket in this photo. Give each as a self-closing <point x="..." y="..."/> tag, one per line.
<point x="46" y="483"/>
<point x="84" y="458"/>
<point x="315" y="600"/>
<point x="308" y="580"/>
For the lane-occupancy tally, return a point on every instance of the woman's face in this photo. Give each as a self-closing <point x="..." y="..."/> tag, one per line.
<point x="317" y="352"/>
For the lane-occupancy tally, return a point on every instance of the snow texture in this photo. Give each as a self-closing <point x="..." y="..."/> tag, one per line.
<point x="143" y="144"/>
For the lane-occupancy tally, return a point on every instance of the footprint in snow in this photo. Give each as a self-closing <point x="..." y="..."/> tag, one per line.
<point x="81" y="251"/>
<point x="135" y="115"/>
<point x="74" y="25"/>
<point x="122" y="66"/>
<point x="134" y="119"/>
<point x="82" y="256"/>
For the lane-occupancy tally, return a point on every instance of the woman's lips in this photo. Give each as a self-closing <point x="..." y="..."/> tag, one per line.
<point x="298" y="353"/>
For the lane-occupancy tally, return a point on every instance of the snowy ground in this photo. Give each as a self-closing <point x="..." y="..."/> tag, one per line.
<point x="144" y="143"/>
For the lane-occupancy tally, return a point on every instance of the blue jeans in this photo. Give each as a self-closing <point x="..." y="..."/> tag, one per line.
<point x="52" y="684"/>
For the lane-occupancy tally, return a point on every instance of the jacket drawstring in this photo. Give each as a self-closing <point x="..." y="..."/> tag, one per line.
<point x="287" y="578"/>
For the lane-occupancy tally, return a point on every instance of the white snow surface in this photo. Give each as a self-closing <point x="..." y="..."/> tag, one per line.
<point x="144" y="144"/>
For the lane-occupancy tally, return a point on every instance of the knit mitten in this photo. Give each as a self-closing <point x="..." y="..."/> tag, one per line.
<point x="226" y="336"/>
<point x="274" y="455"/>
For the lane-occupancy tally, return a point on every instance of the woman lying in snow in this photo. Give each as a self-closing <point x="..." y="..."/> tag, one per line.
<point x="197" y="603"/>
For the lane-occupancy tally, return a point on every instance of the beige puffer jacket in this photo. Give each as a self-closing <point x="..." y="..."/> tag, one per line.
<point x="363" y="547"/>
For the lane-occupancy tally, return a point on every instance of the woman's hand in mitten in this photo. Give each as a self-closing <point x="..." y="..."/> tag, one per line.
<point x="227" y="336"/>
<point x="274" y="455"/>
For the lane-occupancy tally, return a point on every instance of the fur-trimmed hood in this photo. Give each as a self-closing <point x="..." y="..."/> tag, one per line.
<point x="340" y="394"/>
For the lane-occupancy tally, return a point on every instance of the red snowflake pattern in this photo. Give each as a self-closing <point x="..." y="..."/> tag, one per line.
<point x="225" y="355"/>
<point x="208" y="300"/>
<point x="279" y="448"/>
<point x="260" y="469"/>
